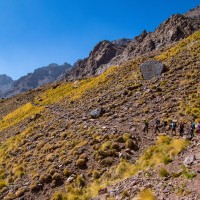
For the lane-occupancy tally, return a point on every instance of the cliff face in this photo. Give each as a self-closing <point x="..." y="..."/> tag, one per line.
<point x="102" y="54"/>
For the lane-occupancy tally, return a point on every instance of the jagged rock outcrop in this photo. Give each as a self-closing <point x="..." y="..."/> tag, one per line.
<point x="5" y="84"/>
<point x="172" y="30"/>
<point x="194" y="13"/>
<point x="102" y="54"/>
<point x="39" y="77"/>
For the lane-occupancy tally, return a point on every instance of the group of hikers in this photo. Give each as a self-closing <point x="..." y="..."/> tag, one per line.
<point x="182" y="127"/>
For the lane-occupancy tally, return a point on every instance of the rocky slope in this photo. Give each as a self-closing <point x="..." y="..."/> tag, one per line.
<point x="173" y="181"/>
<point x="194" y="13"/>
<point x="39" y="77"/>
<point x="5" y="83"/>
<point x="107" y="54"/>
<point x="83" y="139"/>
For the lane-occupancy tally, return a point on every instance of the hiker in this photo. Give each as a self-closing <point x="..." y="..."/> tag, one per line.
<point x="146" y="126"/>
<point x="198" y="128"/>
<point x="181" y="129"/>
<point x="173" y="127"/>
<point x="164" y="126"/>
<point x="157" y="123"/>
<point x="192" y="129"/>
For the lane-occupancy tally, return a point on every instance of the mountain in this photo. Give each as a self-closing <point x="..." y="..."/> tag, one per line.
<point x="194" y="13"/>
<point x="39" y="77"/>
<point x="102" y="54"/>
<point x="84" y="139"/>
<point x="5" y="83"/>
<point x="106" y="54"/>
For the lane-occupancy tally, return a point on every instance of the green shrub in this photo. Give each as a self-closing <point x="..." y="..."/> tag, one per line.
<point x="129" y="144"/>
<point x="83" y="156"/>
<point x="96" y="174"/>
<point x="81" y="162"/>
<point x="176" y="174"/>
<point x="115" y="146"/>
<point x="187" y="173"/>
<point x="163" y="172"/>
<point x="126" y="136"/>
<point x="80" y="182"/>
<point x="66" y="172"/>
<point x="3" y="184"/>
<point x="58" y="196"/>
<point x="166" y="160"/>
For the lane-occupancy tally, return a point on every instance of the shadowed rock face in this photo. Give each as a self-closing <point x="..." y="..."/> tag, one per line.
<point x="102" y="54"/>
<point x="151" y="69"/>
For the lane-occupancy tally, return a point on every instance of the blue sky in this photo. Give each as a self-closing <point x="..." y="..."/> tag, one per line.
<point x="35" y="33"/>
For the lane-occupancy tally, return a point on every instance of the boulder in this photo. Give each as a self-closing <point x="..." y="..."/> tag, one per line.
<point x="151" y="69"/>
<point x="97" y="113"/>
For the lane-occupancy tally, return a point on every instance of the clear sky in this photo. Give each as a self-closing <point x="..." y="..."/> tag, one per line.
<point x="35" y="33"/>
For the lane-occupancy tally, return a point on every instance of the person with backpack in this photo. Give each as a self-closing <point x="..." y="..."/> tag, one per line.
<point x="164" y="126"/>
<point x="146" y="126"/>
<point x="198" y="128"/>
<point x="157" y="123"/>
<point x="192" y="129"/>
<point x="173" y="127"/>
<point x="181" y="129"/>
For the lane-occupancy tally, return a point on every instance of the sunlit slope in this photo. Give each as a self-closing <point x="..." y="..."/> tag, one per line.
<point x="48" y="139"/>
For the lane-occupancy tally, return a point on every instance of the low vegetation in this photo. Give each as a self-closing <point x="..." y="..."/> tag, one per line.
<point x="53" y="142"/>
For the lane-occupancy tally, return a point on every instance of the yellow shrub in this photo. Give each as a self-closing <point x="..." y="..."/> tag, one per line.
<point x="146" y="194"/>
<point x="19" y="115"/>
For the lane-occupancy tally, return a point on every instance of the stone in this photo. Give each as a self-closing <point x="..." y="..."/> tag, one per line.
<point x="97" y="113"/>
<point x="71" y="178"/>
<point x="21" y="192"/>
<point x="152" y="69"/>
<point x="189" y="160"/>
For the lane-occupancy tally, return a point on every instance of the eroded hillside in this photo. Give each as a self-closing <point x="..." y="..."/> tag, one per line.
<point x="52" y="148"/>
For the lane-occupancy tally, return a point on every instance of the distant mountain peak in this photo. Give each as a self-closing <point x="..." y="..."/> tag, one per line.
<point x="4" y="79"/>
<point x="38" y="77"/>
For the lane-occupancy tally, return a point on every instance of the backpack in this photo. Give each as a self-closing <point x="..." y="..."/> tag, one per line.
<point x="173" y="125"/>
<point x="193" y="126"/>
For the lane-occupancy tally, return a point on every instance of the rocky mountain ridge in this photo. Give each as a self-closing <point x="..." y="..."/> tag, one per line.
<point x="39" y="77"/>
<point x="107" y="54"/>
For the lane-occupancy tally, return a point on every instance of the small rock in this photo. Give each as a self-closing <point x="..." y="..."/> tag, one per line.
<point x="71" y="178"/>
<point x="97" y="113"/>
<point x="189" y="160"/>
<point x="21" y="192"/>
